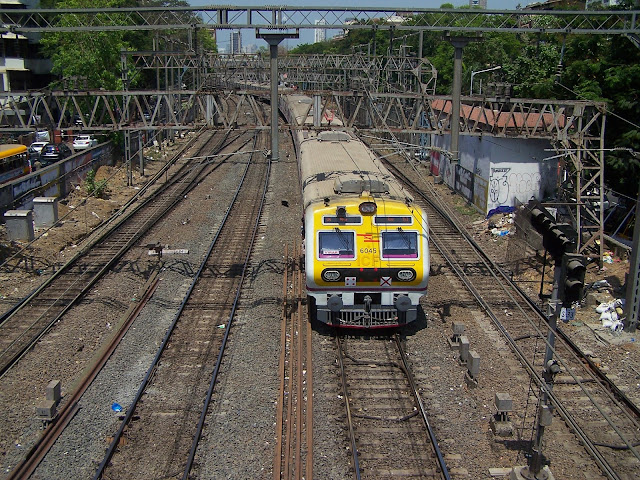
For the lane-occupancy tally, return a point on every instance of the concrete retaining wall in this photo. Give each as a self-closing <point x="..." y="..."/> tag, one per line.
<point x="55" y="180"/>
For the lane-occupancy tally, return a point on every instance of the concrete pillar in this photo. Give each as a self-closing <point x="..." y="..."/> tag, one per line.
<point x="632" y="304"/>
<point x="458" y="330"/>
<point x="317" y="111"/>
<point x="274" y="39"/>
<point x="473" y="369"/>
<point x="501" y="423"/>
<point x="464" y="350"/>
<point x="19" y="225"/>
<point x="458" y="44"/>
<point x="53" y="391"/>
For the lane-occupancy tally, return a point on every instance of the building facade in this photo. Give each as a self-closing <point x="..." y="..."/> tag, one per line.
<point x="21" y="66"/>
<point x="478" y="3"/>
<point x="235" y="42"/>
<point x="319" y="34"/>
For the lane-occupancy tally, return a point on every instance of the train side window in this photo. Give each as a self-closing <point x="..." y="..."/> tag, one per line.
<point x="336" y="244"/>
<point x="399" y="244"/>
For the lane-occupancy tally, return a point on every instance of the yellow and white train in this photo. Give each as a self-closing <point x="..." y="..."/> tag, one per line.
<point x="366" y="242"/>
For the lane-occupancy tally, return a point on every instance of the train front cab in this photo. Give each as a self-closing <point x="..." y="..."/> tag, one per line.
<point x="366" y="268"/>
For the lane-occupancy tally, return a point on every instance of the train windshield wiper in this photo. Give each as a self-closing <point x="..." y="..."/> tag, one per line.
<point x="405" y="238"/>
<point x="343" y="240"/>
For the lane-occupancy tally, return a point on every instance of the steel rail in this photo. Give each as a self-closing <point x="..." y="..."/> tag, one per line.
<point x="102" y="228"/>
<point x="566" y="415"/>
<point x="345" y="394"/>
<point x="492" y="266"/>
<point x="589" y="445"/>
<point x="277" y="457"/>
<point x="631" y="410"/>
<point x="114" y="443"/>
<point x="599" y="374"/>
<point x="423" y="411"/>
<point x="33" y="458"/>
<point x="297" y="285"/>
<point x="214" y="376"/>
<point x="309" y="368"/>
<point x="103" y="267"/>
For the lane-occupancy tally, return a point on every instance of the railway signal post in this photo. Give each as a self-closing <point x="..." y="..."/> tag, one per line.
<point x="556" y="240"/>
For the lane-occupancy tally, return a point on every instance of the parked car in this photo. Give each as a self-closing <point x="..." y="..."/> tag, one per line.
<point x="54" y="152"/>
<point x="84" y="141"/>
<point x="34" y="150"/>
<point x="77" y="120"/>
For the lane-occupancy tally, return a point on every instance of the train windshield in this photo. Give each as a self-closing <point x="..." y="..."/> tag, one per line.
<point x="336" y="244"/>
<point x="399" y="244"/>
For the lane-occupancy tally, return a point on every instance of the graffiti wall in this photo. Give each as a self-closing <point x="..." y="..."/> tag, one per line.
<point x="495" y="172"/>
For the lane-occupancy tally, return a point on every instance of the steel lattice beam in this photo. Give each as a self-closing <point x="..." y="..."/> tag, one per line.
<point x="351" y="18"/>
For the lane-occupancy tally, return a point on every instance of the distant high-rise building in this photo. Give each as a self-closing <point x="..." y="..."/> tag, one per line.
<point x="251" y="48"/>
<point x="319" y="34"/>
<point x="601" y="3"/>
<point x="478" y="3"/>
<point x="235" y="42"/>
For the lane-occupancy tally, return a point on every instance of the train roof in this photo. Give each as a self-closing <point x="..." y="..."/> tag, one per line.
<point x="301" y="107"/>
<point x="334" y="163"/>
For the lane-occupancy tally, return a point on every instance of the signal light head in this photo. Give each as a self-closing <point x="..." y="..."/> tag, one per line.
<point x="574" y="268"/>
<point x="540" y="220"/>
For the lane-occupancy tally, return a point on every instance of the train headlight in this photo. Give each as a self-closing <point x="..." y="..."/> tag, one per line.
<point x="406" y="275"/>
<point x="331" y="275"/>
<point x="367" y="208"/>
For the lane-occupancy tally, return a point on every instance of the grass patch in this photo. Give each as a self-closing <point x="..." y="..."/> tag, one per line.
<point x="466" y="209"/>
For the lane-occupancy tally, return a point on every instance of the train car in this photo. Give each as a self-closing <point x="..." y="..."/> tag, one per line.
<point x="365" y="240"/>
<point x="14" y="162"/>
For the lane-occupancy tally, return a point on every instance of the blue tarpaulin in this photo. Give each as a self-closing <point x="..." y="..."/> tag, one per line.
<point x="501" y="209"/>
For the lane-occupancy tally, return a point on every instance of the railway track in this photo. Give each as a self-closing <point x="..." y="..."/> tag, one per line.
<point x="159" y="435"/>
<point x="38" y="452"/>
<point x="29" y="320"/>
<point x="604" y="420"/>
<point x="213" y="161"/>
<point x="293" y="458"/>
<point x="389" y="430"/>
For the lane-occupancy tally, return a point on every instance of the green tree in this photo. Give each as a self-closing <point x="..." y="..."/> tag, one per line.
<point x="96" y="56"/>
<point x="532" y="72"/>
<point x="92" y="55"/>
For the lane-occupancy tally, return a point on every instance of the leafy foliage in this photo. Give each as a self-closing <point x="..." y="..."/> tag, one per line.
<point x="97" y="189"/>
<point x="92" y="55"/>
<point x="96" y="55"/>
<point x="572" y="67"/>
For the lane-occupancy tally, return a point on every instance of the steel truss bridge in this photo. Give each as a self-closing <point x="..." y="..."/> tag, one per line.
<point x="286" y="17"/>
<point x="387" y="95"/>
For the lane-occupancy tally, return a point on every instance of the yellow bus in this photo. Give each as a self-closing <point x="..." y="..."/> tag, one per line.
<point x="14" y="162"/>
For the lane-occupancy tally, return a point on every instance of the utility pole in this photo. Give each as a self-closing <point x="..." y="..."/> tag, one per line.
<point x="274" y="39"/>
<point x="632" y="299"/>
<point x="458" y="44"/>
